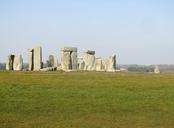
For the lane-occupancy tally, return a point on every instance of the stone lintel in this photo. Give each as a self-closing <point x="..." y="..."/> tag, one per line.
<point x="90" y="52"/>
<point x="69" y="49"/>
<point x="30" y="49"/>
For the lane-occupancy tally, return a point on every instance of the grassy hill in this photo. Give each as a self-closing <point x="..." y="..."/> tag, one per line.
<point x="86" y="100"/>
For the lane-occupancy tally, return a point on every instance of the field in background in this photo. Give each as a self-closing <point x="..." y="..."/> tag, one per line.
<point x="86" y="100"/>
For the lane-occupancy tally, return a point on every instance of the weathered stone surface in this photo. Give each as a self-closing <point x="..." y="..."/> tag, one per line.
<point x="31" y="59"/>
<point x="156" y="70"/>
<point x="74" y="60"/>
<point x="69" y="58"/>
<point x="18" y="63"/>
<point x="91" y="63"/>
<point x="14" y="62"/>
<point x="89" y="59"/>
<point x="66" y="61"/>
<point x="55" y="62"/>
<point x="52" y="62"/>
<point x="35" y="58"/>
<point x="59" y="67"/>
<point x="104" y="64"/>
<point x="69" y="49"/>
<point x="110" y="64"/>
<point x="81" y="64"/>
<point x="98" y="64"/>
<point x="10" y="62"/>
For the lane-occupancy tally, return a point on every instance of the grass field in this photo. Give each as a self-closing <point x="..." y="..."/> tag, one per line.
<point x="86" y="100"/>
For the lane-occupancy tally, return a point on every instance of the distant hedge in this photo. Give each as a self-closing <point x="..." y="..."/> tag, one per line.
<point x="140" y="69"/>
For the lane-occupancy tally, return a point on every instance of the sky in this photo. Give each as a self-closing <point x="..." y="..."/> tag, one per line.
<point x="137" y="31"/>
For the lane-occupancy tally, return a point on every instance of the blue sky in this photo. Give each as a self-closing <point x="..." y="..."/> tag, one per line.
<point x="137" y="31"/>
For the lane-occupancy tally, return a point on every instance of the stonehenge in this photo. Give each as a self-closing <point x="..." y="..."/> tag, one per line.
<point x="35" y="58"/>
<point x="14" y="62"/>
<point x="69" y="61"/>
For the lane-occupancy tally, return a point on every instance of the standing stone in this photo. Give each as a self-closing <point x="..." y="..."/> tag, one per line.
<point x="156" y="70"/>
<point x="81" y="64"/>
<point x="18" y="63"/>
<point x="9" y="62"/>
<point x="74" y="60"/>
<point x="110" y="64"/>
<point x="69" y="58"/>
<point x="89" y="59"/>
<point x="55" y="62"/>
<point x="51" y="59"/>
<point x="52" y="62"/>
<point x="35" y="58"/>
<point x="104" y="64"/>
<point x="98" y="64"/>
<point x="66" y="61"/>
<point x="14" y="62"/>
<point x="31" y="59"/>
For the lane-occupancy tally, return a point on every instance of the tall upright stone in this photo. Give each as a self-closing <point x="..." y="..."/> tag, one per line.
<point x="81" y="64"/>
<point x="10" y="62"/>
<point x="74" y="60"/>
<point x="14" y="62"/>
<point x="55" y="62"/>
<point x="89" y="60"/>
<point x="31" y="59"/>
<point x="98" y="64"/>
<point x="52" y="61"/>
<point x="69" y="59"/>
<point x="156" y="70"/>
<point x="110" y="64"/>
<point x="35" y="58"/>
<point x="18" y="63"/>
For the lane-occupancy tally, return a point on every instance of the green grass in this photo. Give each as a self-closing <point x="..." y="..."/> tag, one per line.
<point x="86" y="100"/>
